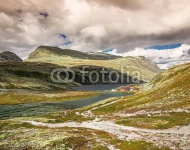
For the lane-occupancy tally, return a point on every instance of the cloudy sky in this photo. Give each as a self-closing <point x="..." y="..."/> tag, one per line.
<point x="93" y="25"/>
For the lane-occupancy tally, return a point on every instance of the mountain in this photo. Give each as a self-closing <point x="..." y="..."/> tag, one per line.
<point x="168" y="94"/>
<point x="9" y="56"/>
<point x="36" y="71"/>
<point x="49" y="52"/>
<point x="169" y="90"/>
<point x="43" y="76"/>
<point x="21" y="75"/>
<point x="161" y="104"/>
<point x="64" y="57"/>
<point x="175" y="79"/>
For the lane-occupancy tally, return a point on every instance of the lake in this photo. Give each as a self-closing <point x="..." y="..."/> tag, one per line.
<point x="98" y="87"/>
<point x="37" y="109"/>
<point x="106" y="88"/>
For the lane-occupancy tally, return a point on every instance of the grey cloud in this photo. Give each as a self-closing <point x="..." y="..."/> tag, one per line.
<point x="124" y="4"/>
<point x="28" y="24"/>
<point x="92" y="24"/>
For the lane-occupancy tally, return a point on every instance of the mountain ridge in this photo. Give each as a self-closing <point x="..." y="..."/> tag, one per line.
<point x="32" y="73"/>
<point x="71" y="58"/>
<point x="55" y="51"/>
<point x="38" y="76"/>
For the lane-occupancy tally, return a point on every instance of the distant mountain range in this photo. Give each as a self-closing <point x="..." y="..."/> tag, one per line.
<point x="35" y="72"/>
<point x="72" y="58"/>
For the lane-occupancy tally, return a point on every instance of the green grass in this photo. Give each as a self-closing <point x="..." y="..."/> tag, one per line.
<point x="166" y="96"/>
<point x="10" y="125"/>
<point x="126" y="103"/>
<point x="164" y="121"/>
<point x="12" y="97"/>
<point x="101" y="148"/>
<point x="68" y="116"/>
<point x="137" y="145"/>
<point x="26" y="110"/>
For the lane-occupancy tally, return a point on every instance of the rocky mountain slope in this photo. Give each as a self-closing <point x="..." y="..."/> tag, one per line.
<point x="131" y="65"/>
<point x="9" y="56"/>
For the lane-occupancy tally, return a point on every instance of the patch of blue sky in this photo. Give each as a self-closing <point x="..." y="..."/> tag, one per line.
<point x="108" y="50"/>
<point x="164" y="47"/>
<point x="63" y="36"/>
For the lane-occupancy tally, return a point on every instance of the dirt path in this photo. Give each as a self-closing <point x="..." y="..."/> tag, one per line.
<point x="177" y="138"/>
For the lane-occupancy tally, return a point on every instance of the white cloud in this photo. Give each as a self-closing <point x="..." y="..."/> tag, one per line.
<point x="97" y="31"/>
<point x="163" y="58"/>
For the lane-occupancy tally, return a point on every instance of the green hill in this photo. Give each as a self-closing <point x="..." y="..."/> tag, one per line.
<point x="162" y="103"/>
<point x="177" y="77"/>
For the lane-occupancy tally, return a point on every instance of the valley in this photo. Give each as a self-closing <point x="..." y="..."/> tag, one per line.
<point x="94" y="75"/>
<point x="36" y="113"/>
